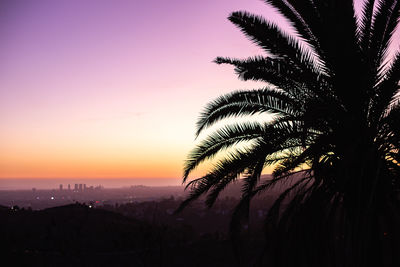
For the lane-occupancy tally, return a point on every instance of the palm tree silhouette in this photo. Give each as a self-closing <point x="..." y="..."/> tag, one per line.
<point x="333" y="91"/>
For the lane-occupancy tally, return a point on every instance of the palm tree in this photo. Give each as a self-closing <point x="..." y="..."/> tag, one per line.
<point x="333" y="90"/>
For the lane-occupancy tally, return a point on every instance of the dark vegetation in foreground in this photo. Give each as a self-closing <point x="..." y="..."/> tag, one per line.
<point x="135" y="234"/>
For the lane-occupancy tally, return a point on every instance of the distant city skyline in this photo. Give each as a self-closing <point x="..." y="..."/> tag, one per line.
<point x="47" y="183"/>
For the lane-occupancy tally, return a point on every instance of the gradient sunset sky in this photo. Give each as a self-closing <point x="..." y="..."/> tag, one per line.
<point x="112" y="88"/>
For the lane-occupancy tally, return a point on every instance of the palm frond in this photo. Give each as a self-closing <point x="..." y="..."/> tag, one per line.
<point x="275" y="42"/>
<point x="386" y="90"/>
<point x="198" y="188"/>
<point x="277" y="71"/>
<point x="242" y="103"/>
<point x="364" y="29"/>
<point x="220" y="139"/>
<point x="224" y="172"/>
<point x="274" y="211"/>
<point x="385" y="21"/>
<point x="298" y="22"/>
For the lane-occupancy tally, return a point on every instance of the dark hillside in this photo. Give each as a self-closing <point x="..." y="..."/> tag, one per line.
<point x="76" y="235"/>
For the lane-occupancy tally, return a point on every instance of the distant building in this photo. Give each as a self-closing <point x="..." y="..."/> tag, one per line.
<point x="69" y="187"/>
<point x="99" y="187"/>
<point x="84" y="187"/>
<point x="61" y="187"/>
<point x="76" y="187"/>
<point x="80" y="187"/>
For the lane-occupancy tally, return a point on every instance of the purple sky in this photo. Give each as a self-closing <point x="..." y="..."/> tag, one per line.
<point x="101" y="88"/>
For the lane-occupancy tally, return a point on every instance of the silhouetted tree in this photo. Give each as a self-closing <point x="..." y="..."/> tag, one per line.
<point x="334" y="138"/>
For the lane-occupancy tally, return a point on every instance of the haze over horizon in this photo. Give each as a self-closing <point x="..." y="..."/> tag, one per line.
<point x="102" y="89"/>
<point x="53" y="183"/>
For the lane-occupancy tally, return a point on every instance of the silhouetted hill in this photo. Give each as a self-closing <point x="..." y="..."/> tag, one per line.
<point x="76" y="235"/>
<point x="3" y="208"/>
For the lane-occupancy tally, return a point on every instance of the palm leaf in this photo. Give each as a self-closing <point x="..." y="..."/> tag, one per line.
<point x="242" y="103"/>
<point x="220" y="139"/>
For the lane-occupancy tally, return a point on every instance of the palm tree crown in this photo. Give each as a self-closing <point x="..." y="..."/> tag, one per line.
<point x="333" y="91"/>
